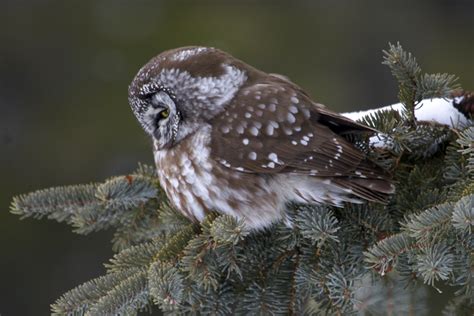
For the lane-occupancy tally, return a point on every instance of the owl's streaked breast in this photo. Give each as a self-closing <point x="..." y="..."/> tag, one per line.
<point x="196" y="184"/>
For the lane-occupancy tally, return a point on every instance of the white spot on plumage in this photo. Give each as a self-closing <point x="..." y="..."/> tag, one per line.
<point x="269" y="130"/>
<point x="360" y="174"/>
<point x="248" y="115"/>
<point x="294" y="142"/>
<point x="245" y="141"/>
<point x="303" y="142"/>
<point x="261" y="106"/>
<point x="225" y="129"/>
<point x="290" y="118"/>
<point x="274" y="124"/>
<point x="306" y="113"/>
<point x="253" y="155"/>
<point x="306" y="138"/>
<point x="273" y="157"/>
<point x="272" y="107"/>
<point x="295" y="100"/>
<point x="293" y="109"/>
<point x="224" y="162"/>
<point x="187" y="53"/>
<point x="254" y="131"/>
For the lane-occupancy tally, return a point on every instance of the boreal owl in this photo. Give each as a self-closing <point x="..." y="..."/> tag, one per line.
<point x="231" y="138"/>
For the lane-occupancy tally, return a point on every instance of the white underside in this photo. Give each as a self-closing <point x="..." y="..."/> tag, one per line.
<point x="191" y="175"/>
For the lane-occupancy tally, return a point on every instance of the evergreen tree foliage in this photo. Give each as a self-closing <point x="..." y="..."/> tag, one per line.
<point x="322" y="260"/>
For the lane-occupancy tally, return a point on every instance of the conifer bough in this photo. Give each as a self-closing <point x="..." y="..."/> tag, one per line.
<point x="323" y="259"/>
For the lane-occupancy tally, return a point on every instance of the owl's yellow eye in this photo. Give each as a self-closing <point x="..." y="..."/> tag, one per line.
<point x="165" y="113"/>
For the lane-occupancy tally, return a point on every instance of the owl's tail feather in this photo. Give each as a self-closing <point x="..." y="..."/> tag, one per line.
<point x="373" y="190"/>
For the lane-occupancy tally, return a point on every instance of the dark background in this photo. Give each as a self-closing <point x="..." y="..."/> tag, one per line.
<point x="65" y="67"/>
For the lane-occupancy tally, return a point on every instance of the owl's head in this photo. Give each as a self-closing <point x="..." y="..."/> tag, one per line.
<point x="180" y="90"/>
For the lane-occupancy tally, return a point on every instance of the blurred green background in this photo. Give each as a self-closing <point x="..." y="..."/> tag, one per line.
<point x="65" y="67"/>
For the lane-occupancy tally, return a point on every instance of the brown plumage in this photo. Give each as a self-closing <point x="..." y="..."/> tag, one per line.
<point x="245" y="142"/>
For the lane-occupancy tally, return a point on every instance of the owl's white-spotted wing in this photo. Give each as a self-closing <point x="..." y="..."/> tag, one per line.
<point x="274" y="127"/>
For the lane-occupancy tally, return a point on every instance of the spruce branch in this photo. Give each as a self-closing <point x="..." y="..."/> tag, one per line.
<point x="317" y="223"/>
<point x="166" y="286"/>
<point x="383" y="256"/>
<point x="466" y="141"/>
<point x="59" y="203"/>
<point x="429" y="223"/>
<point x="407" y="71"/>
<point x="436" y="86"/>
<point x="130" y="295"/>
<point x="463" y="214"/>
<point x="228" y="229"/>
<point x="435" y="263"/>
<point x="79" y="300"/>
<point x="139" y="256"/>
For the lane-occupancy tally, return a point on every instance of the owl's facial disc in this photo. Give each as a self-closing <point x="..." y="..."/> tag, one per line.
<point x="161" y="119"/>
